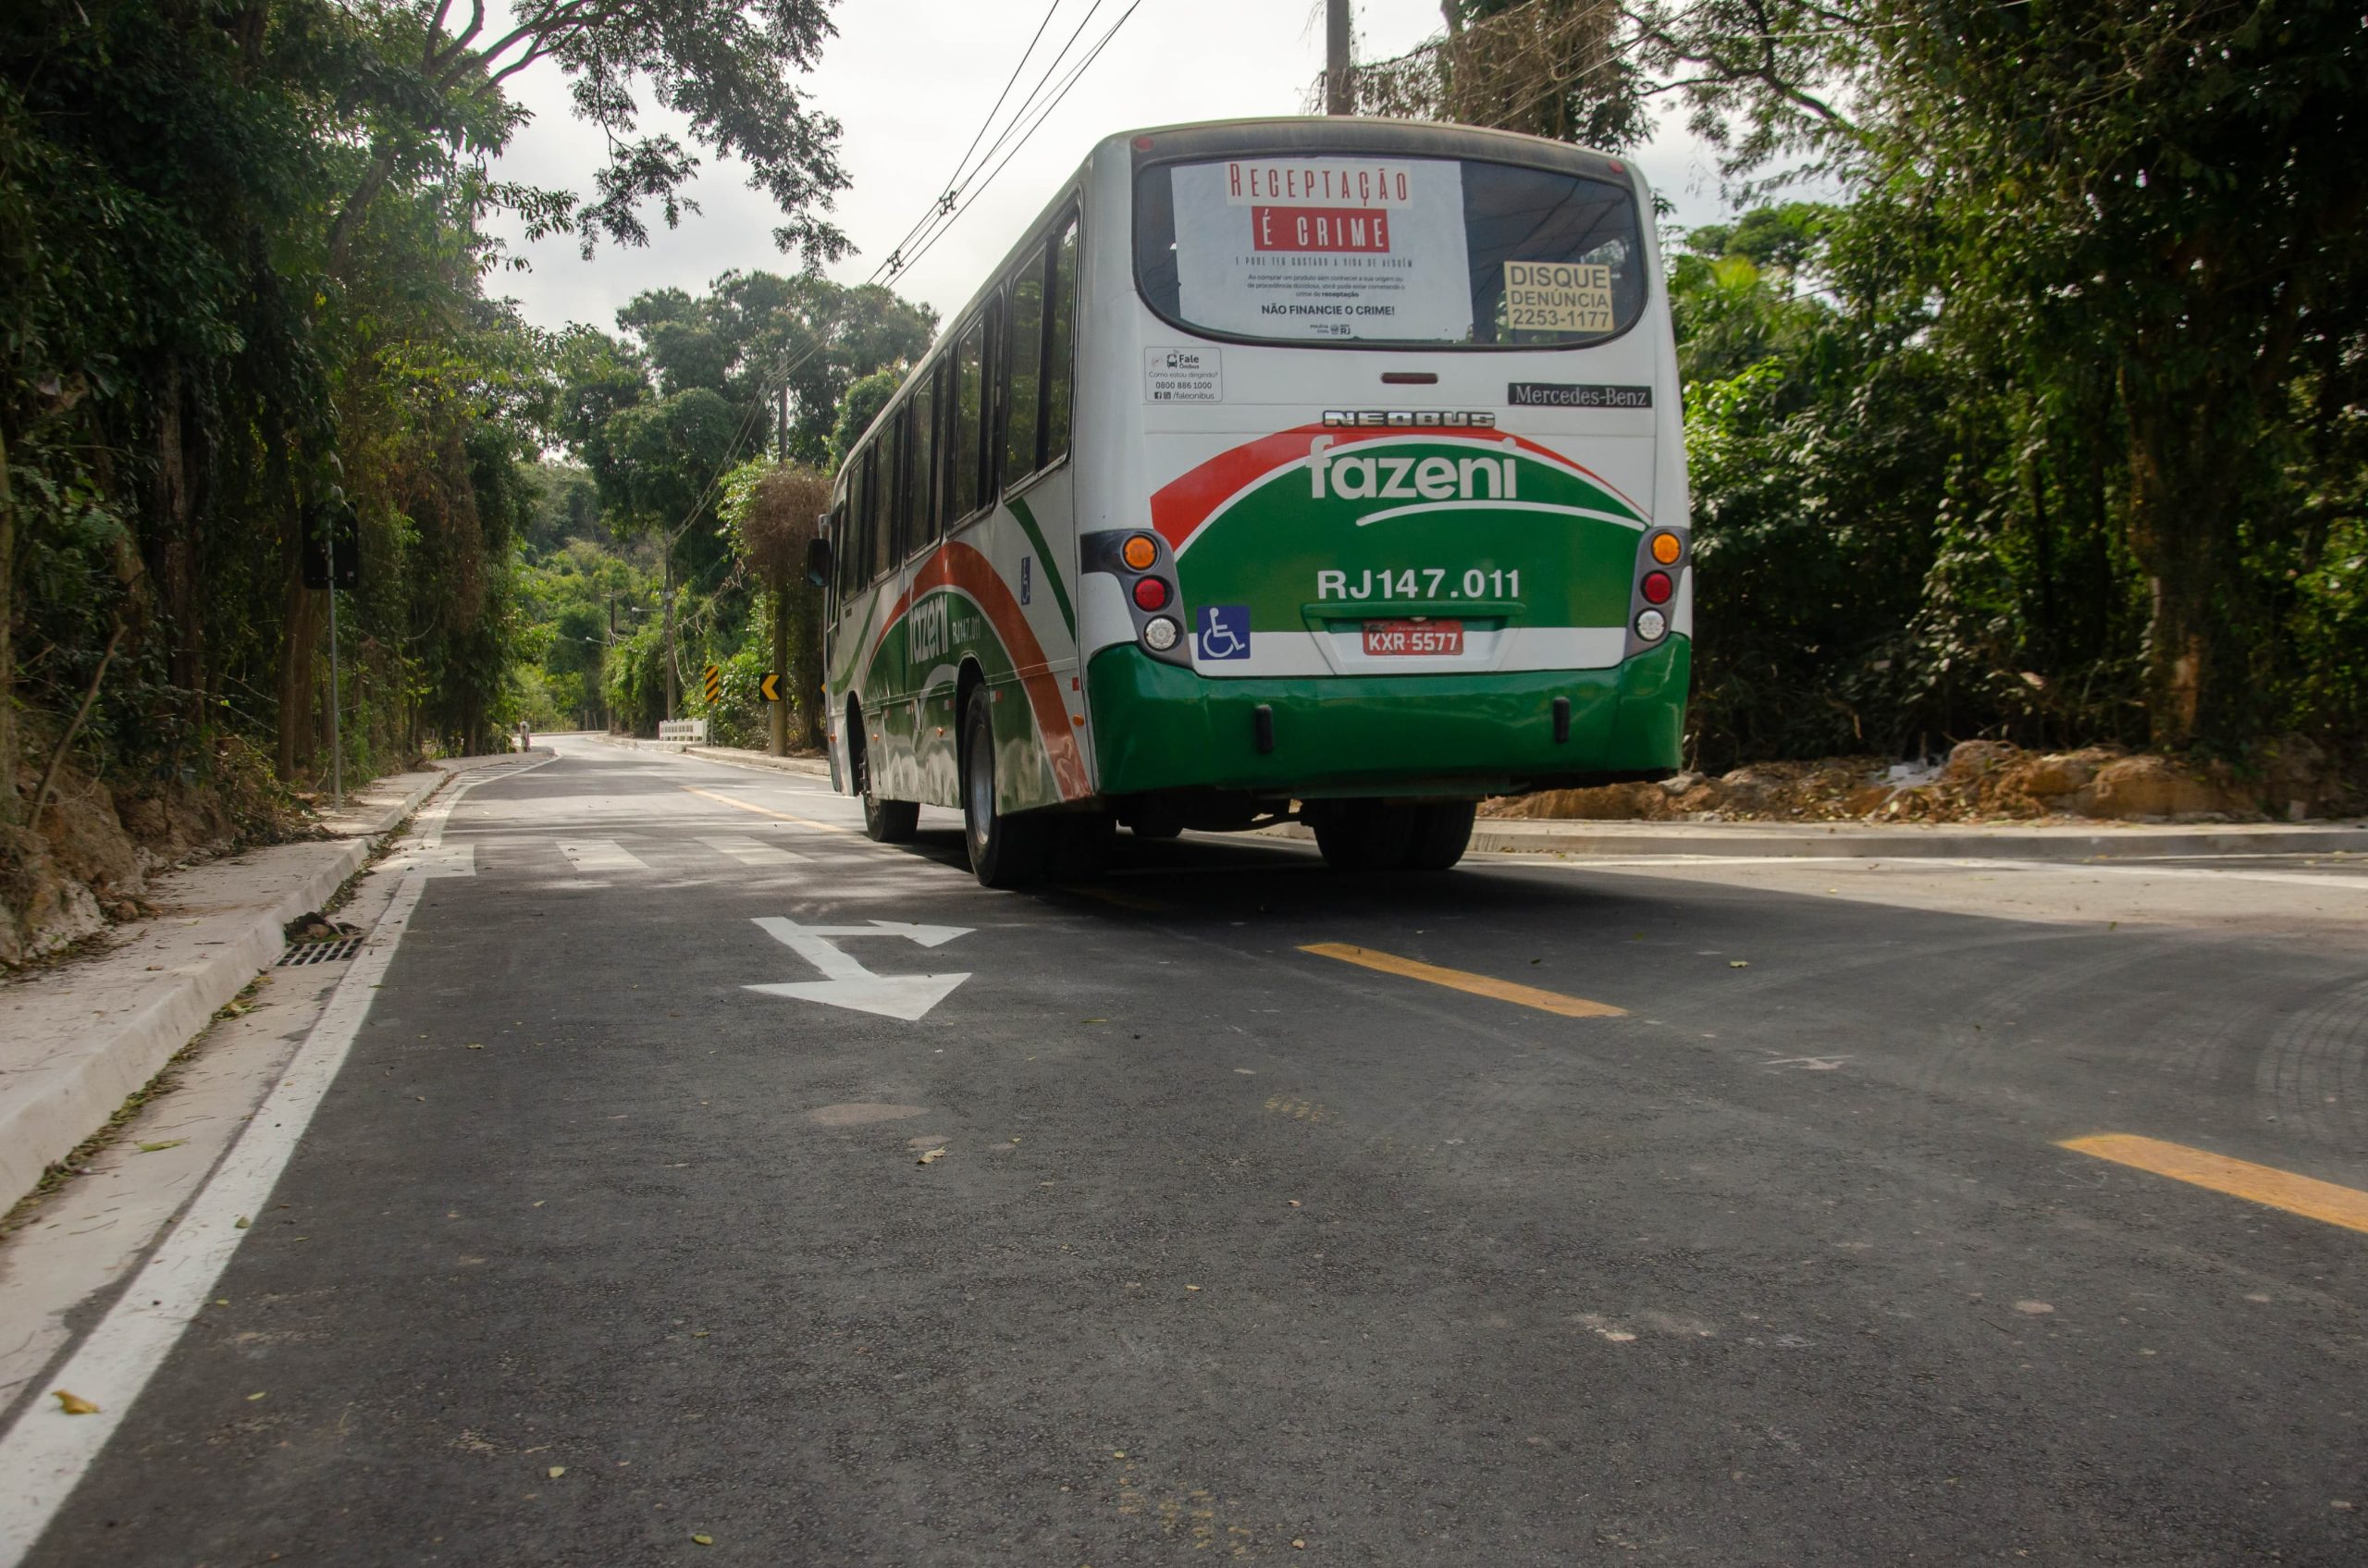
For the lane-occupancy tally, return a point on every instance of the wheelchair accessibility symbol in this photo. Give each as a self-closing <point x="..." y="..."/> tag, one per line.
<point x="1225" y="630"/>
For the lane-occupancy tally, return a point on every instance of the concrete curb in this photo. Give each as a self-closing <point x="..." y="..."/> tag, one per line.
<point x="1860" y="841"/>
<point x="49" y="1108"/>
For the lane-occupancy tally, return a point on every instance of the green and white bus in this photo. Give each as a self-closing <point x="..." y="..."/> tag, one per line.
<point x="1314" y="468"/>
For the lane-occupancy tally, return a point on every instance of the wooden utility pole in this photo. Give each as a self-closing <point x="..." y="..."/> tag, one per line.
<point x="1339" y="92"/>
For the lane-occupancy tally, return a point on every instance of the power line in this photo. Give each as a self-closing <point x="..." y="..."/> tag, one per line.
<point x="1028" y="104"/>
<point x="1068" y="83"/>
<point x="953" y="180"/>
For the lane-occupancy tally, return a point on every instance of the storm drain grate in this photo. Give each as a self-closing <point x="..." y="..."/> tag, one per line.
<point x="320" y="951"/>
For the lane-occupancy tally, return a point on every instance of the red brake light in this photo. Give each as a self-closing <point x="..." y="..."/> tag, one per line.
<point x="1657" y="588"/>
<point x="1151" y="593"/>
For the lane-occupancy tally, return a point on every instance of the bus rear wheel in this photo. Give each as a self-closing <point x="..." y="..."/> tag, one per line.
<point x="1442" y="833"/>
<point x="1005" y="851"/>
<point x="1362" y="835"/>
<point x="885" y="822"/>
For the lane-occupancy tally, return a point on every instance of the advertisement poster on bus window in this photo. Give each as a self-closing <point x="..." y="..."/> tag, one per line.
<point x="1325" y="247"/>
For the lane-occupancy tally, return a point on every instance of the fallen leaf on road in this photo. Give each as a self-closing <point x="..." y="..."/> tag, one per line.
<point x="252" y="1398"/>
<point x="1738" y="963"/>
<point x="932" y="1156"/>
<point x="244" y="1223"/>
<point x="74" y="1404"/>
<point x="1093" y="1020"/>
<point x="161" y="1146"/>
<point x="556" y="1471"/>
<point x="703" y="1540"/>
<point x="1293" y="1202"/>
<point x="1192" y="1286"/>
<point x="476" y="1046"/>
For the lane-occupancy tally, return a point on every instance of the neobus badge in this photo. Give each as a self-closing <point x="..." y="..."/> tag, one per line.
<point x="1410" y="419"/>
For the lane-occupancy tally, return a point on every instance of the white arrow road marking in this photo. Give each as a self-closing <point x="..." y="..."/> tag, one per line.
<point x="749" y="852"/>
<point x="906" y="996"/>
<point x="600" y="855"/>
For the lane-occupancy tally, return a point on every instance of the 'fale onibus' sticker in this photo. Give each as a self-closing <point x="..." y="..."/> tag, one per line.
<point x="1557" y="296"/>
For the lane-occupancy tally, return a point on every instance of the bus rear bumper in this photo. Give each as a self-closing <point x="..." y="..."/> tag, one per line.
<point x="1157" y="727"/>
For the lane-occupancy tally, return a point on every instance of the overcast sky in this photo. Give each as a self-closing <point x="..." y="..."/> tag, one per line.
<point x="910" y="82"/>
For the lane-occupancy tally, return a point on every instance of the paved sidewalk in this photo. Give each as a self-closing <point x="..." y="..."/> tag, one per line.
<point x="2010" y="840"/>
<point x="76" y="1042"/>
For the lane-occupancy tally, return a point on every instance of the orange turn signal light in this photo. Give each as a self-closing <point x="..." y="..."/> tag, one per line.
<point x="1666" y="548"/>
<point x="1138" y="552"/>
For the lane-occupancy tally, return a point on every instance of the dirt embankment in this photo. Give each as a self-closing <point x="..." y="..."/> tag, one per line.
<point x="99" y="844"/>
<point x="1980" y="781"/>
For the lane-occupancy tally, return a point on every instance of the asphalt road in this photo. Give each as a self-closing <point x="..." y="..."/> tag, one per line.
<point x="593" y="1254"/>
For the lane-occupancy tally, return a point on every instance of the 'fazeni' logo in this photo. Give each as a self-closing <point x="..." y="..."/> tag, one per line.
<point x="1356" y="475"/>
<point x="1408" y="419"/>
<point x="925" y="630"/>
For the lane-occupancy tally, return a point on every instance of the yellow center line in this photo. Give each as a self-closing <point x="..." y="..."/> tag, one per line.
<point x="769" y="812"/>
<point x="1478" y="985"/>
<point x="2307" y="1196"/>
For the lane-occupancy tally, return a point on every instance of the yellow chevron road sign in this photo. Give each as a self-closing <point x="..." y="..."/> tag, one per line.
<point x="715" y="683"/>
<point x="769" y="688"/>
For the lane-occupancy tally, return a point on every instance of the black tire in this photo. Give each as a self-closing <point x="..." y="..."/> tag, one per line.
<point x="1005" y="851"/>
<point x="1441" y="836"/>
<point x="1363" y="836"/>
<point x="885" y="822"/>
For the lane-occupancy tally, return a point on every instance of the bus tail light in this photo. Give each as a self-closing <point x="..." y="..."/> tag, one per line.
<point x="1151" y="593"/>
<point x="1159" y="634"/>
<point x="1657" y="587"/>
<point x="1140" y="553"/>
<point x="1651" y="626"/>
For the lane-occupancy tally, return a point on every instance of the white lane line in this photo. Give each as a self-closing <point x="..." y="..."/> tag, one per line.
<point x="47" y="1452"/>
<point x="749" y="852"/>
<point x="600" y="855"/>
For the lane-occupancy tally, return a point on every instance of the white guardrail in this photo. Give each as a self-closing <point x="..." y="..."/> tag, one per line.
<point x="691" y="731"/>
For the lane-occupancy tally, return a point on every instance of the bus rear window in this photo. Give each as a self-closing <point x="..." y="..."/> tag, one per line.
<point x="1326" y="248"/>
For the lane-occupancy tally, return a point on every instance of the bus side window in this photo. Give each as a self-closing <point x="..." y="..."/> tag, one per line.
<point x="1022" y="358"/>
<point x="1060" y="339"/>
<point x="855" y="564"/>
<point x="922" y="507"/>
<point x="886" y="451"/>
<point x="970" y="408"/>
<point x="838" y="536"/>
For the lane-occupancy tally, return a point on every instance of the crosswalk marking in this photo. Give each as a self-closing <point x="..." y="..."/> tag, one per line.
<point x="441" y="861"/>
<point x="749" y="852"/>
<point x="600" y="855"/>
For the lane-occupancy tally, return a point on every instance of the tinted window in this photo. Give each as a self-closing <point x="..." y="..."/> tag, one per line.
<point x="857" y="562"/>
<point x="889" y="543"/>
<point x="922" y="506"/>
<point x="840" y="554"/>
<point x="1022" y="357"/>
<point x="1061" y="314"/>
<point x="1333" y="247"/>
<point x="963" y="445"/>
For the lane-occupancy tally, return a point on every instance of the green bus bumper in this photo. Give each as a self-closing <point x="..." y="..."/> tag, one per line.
<point x="1160" y="727"/>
